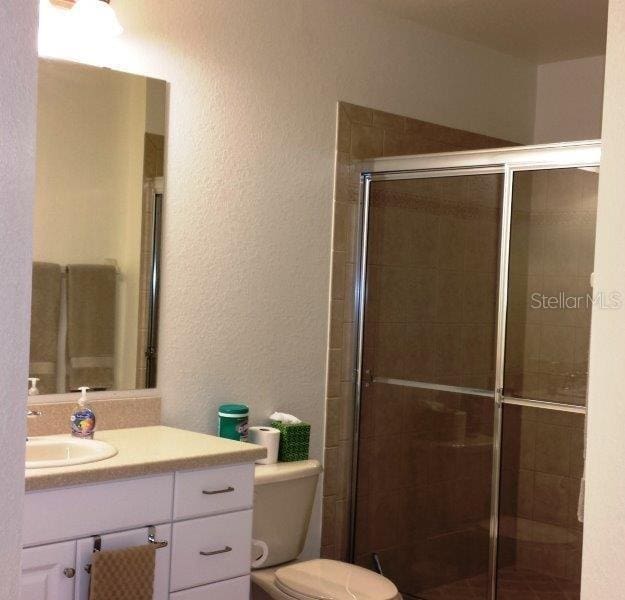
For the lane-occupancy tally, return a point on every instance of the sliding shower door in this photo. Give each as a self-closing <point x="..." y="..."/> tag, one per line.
<point x="546" y="367"/>
<point x="423" y="501"/>
<point x="473" y="338"/>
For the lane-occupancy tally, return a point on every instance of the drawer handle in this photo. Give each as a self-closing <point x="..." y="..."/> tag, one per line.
<point x="214" y="552"/>
<point x="224" y="491"/>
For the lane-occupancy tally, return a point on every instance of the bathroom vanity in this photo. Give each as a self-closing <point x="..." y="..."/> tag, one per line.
<point x="188" y="493"/>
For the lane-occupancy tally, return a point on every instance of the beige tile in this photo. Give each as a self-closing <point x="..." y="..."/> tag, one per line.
<point x="396" y="143"/>
<point x="350" y="279"/>
<point x="420" y="301"/>
<point x="334" y="372"/>
<point x="449" y="353"/>
<point x="525" y="500"/>
<point x="348" y="352"/>
<point x="552" y="449"/>
<point x="527" y="456"/>
<point x="332" y="422"/>
<point x="551" y="498"/>
<point x="479" y="298"/>
<point x="367" y="411"/>
<point x="328" y="526"/>
<point x="576" y="444"/>
<point x="384" y="467"/>
<point x="344" y="179"/>
<point x="450" y="243"/>
<point x="389" y="121"/>
<point x="393" y="294"/>
<point x="358" y="114"/>
<point x="341" y="216"/>
<point x="345" y="469"/>
<point x="331" y="472"/>
<point x="351" y="233"/>
<point x="560" y="249"/>
<point x="346" y="412"/>
<point x="343" y="134"/>
<point x="485" y="190"/>
<point x="416" y="346"/>
<point x="557" y="347"/>
<point x="449" y="288"/>
<point x="366" y="141"/>
<point x="338" y="275"/>
<point x="336" y="323"/>
<point x="342" y="529"/>
<point x="384" y="525"/>
<point x="481" y="251"/>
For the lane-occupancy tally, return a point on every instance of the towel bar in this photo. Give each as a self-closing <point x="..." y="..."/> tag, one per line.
<point x="157" y="545"/>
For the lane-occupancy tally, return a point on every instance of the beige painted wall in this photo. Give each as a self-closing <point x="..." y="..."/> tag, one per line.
<point x="248" y="205"/>
<point x="604" y="529"/>
<point x="90" y="136"/>
<point x="18" y="92"/>
<point x="569" y="100"/>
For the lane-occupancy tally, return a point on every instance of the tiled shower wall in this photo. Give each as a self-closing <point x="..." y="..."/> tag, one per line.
<point x="362" y="133"/>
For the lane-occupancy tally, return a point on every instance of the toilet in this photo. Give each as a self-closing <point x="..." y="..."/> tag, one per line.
<point x="283" y="502"/>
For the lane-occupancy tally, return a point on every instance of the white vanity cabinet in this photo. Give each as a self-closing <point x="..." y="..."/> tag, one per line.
<point x="48" y="572"/>
<point x="205" y="516"/>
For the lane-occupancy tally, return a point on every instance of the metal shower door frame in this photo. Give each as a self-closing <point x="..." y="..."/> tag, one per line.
<point x="504" y="161"/>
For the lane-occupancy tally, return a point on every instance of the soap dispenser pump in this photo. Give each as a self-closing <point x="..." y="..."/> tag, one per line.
<point x="83" y="418"/>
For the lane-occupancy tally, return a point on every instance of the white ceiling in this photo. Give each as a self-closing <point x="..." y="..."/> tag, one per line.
<point x="537" y="30"/>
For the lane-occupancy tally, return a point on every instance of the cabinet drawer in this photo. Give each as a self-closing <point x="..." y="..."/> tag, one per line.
<point x="234" y="589"/>
<point x="211" y="549"/>
<point x="51" y="515"/>
<point x="213" y="491"/>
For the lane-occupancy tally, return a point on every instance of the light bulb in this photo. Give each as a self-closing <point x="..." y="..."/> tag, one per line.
<point x="95" y="18"/>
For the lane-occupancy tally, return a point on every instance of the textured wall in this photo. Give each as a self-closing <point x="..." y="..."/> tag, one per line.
<point x="248" y="209"/>
<point x="569" y="100"/>
<point x="18" y="90"/>
<point x="604" y="538"/>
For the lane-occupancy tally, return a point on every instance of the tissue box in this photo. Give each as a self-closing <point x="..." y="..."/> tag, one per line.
<point x="294" y="441"/>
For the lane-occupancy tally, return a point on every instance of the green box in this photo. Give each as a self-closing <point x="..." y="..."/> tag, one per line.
<point x="294" y="441"/>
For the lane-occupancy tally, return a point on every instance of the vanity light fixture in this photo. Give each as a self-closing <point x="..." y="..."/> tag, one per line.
<point x="96" y="17"/>
<point x="78" y="30"/>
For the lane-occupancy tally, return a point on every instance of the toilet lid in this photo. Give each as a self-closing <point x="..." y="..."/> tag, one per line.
<point x="323" y="579"/>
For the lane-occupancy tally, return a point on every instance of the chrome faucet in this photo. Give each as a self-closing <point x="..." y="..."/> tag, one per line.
<point x="32" y="413"/>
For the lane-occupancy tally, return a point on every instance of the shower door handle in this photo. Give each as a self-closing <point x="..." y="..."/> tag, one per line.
<point x="367" y="378"/>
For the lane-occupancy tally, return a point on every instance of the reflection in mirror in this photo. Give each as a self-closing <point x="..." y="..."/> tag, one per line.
<point x="100" y="157"/>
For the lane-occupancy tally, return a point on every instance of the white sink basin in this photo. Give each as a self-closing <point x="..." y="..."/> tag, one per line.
<point x="64" y="451"/>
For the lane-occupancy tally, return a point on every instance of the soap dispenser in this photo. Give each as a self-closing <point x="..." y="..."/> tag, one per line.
<point x="83" y="418"/>
<point x="33" y="390"/>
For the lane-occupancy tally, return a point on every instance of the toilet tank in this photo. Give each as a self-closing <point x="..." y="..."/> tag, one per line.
<point x="283" y="499"/>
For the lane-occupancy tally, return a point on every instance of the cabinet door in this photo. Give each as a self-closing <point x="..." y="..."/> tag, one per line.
<point x="48" y="572"/>
<point x="126" y="539"/>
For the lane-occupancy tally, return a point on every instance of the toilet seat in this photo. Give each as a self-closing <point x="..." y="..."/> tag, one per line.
<point x="323" y="579"/>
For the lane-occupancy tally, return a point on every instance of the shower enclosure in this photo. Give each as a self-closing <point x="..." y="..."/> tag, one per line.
<point x="474" y="300"/>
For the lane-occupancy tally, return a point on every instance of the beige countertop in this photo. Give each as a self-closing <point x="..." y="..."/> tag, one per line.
<point x="147" y="451"/>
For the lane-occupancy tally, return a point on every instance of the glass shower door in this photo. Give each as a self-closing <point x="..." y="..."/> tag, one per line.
<point x="545" y="379"/>
<point x="423" y="497"/>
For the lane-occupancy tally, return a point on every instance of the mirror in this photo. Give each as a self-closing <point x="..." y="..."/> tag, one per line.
<point x="100" y="162"/>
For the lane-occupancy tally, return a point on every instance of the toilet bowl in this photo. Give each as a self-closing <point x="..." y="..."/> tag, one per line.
<point x="283" y="499"/>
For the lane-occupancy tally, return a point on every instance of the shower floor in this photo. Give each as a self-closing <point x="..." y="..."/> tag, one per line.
<point x="513" y="584"/>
